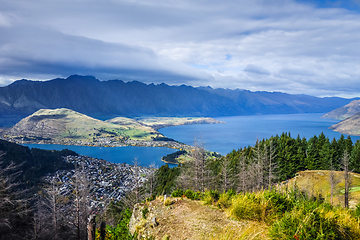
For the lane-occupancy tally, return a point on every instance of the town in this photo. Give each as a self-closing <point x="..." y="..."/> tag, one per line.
<point x="99" y="142"/>
<point x="105" y="181"/>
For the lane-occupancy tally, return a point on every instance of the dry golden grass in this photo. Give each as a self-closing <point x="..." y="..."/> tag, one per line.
<point x="315" y="182"/>
<point x="187" y="219"/>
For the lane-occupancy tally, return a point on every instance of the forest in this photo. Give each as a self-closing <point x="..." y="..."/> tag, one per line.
<point x="247" y="170"/>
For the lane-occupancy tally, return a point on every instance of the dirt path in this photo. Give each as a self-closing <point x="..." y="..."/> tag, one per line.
<point x="187" y="219"/>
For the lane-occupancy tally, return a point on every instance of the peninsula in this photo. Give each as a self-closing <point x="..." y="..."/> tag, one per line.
<point x="67" y="127"/>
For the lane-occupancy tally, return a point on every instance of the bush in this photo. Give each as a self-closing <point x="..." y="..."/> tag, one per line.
<point x="356" y="212"/>
<point x="224" y="200"/>
<point x="215" y="195"/>
<point x="167" y="202"/>
<point x="177" y="193"/>
<point x="261" y="206"/>
<point x="210" y="197"/>
<point x="197" y="196"/>
<point x="189" y="194"/>
<point x="144" y="212"/>
<point x="306" y="224"/>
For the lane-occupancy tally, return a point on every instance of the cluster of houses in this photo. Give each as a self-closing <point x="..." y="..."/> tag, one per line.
<point x="104" y="181"/>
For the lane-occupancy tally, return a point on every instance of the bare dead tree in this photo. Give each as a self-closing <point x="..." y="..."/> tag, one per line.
<point x="258" y="166"/>
<point x="225" y="174"/>
<point x="48" y="215"/>
<point x="345" y="166"/>
<point x="136" y="180"/>
<point x="333" y="180"/>
<point x="13" y="200"/>
<point x="8" y="192"/>
<point x="137" y="193"/>
<point x="151" y="178"/>
<point x="199" y="166"/>
<point x="186" y="177"/>
<point x="242" y="174"/>
<point x="81" y="208"/>
<point x="271" y="164"/>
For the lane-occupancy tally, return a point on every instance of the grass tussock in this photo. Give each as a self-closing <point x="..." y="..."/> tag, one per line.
<point x="250" y="231"/>
<point x="292" y="214"/>
<point x="167" y="202"/>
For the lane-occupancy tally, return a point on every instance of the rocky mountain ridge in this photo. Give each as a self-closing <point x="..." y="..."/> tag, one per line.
<point x="113" y="98"/>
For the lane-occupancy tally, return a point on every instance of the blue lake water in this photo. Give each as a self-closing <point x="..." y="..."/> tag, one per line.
<point x="242" y="131"/>
<point x="237" y="132"/>
<point x="144" y="155"/>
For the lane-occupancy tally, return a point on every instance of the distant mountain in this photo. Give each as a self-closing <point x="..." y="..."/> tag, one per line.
<point x="349" y="126"/>
<point x="346" y="111"/>
<point x="113" y="98"/>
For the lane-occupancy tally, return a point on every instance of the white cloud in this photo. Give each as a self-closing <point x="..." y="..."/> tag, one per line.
<point x="277" y="45"/>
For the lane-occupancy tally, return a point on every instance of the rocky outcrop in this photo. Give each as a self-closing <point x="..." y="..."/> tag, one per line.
<point x="344" y="112"/>
<point x="349" y="126"/>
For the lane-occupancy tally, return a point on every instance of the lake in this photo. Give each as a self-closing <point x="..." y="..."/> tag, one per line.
<point x="144" y="155"/>
<point x="237" y="132"/>
<point x="242" y="131"/>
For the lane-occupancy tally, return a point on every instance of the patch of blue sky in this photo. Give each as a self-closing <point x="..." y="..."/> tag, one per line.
<point x="228" y="57"/>
<point x="199" y="66"/>
<point x="352" y="5"/>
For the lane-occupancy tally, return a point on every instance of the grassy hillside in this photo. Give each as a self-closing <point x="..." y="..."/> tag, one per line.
<point x="316" y="182"/>
<point x="67" y="125"/>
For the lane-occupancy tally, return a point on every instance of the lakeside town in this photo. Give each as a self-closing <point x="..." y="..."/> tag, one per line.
<point x="106" y="181"/>
<point x="100" y="142"/>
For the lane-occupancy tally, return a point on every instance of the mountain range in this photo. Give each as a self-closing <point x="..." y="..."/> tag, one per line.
<point x="108" y="99"/>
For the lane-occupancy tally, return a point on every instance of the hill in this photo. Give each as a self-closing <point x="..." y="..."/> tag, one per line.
<point x="344" y="112"/>
<point x="113" y="98"/>
<point x="67" y="126"/>
<point x="349" y="126"/>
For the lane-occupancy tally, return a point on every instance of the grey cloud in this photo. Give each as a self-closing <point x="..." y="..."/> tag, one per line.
<point x="277" y="45"/>
<point x="296" y="71"/>
<point x="251" y="68"/>
<point x="36" y="50"/>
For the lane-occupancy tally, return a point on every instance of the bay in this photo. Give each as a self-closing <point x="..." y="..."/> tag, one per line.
<point x="242" y="131"/>
<point x="144" y="155"/>
<point x="237" y="132"/>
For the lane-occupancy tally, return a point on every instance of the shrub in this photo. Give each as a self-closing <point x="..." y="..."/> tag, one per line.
<point x="167" y="202"/>
<point x="356" y="212"/>
<point x="306" y="224"/>
<point x="224" y="201"/>
<point x="144" y="212"/>
<point x="177" y="193"/>
<point x="215" y="195"/>
<point x="151" y="198"/>
<point x="189" y="194"/>
<point x="253" y="206"/>
<point x="210" y="197"/>
<point x="197" y="196"/>
<point x="206" y="198"/>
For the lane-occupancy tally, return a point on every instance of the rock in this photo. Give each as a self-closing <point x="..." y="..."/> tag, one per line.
<point x="154" y="222"/>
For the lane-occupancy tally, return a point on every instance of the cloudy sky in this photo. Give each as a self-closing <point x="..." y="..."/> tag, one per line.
<point x="307" y="46"/>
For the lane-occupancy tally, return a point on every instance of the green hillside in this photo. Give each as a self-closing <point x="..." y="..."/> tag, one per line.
<point x="65" y="125"/>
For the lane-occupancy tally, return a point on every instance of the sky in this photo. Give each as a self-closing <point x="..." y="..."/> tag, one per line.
<point x="299" y="47"/>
